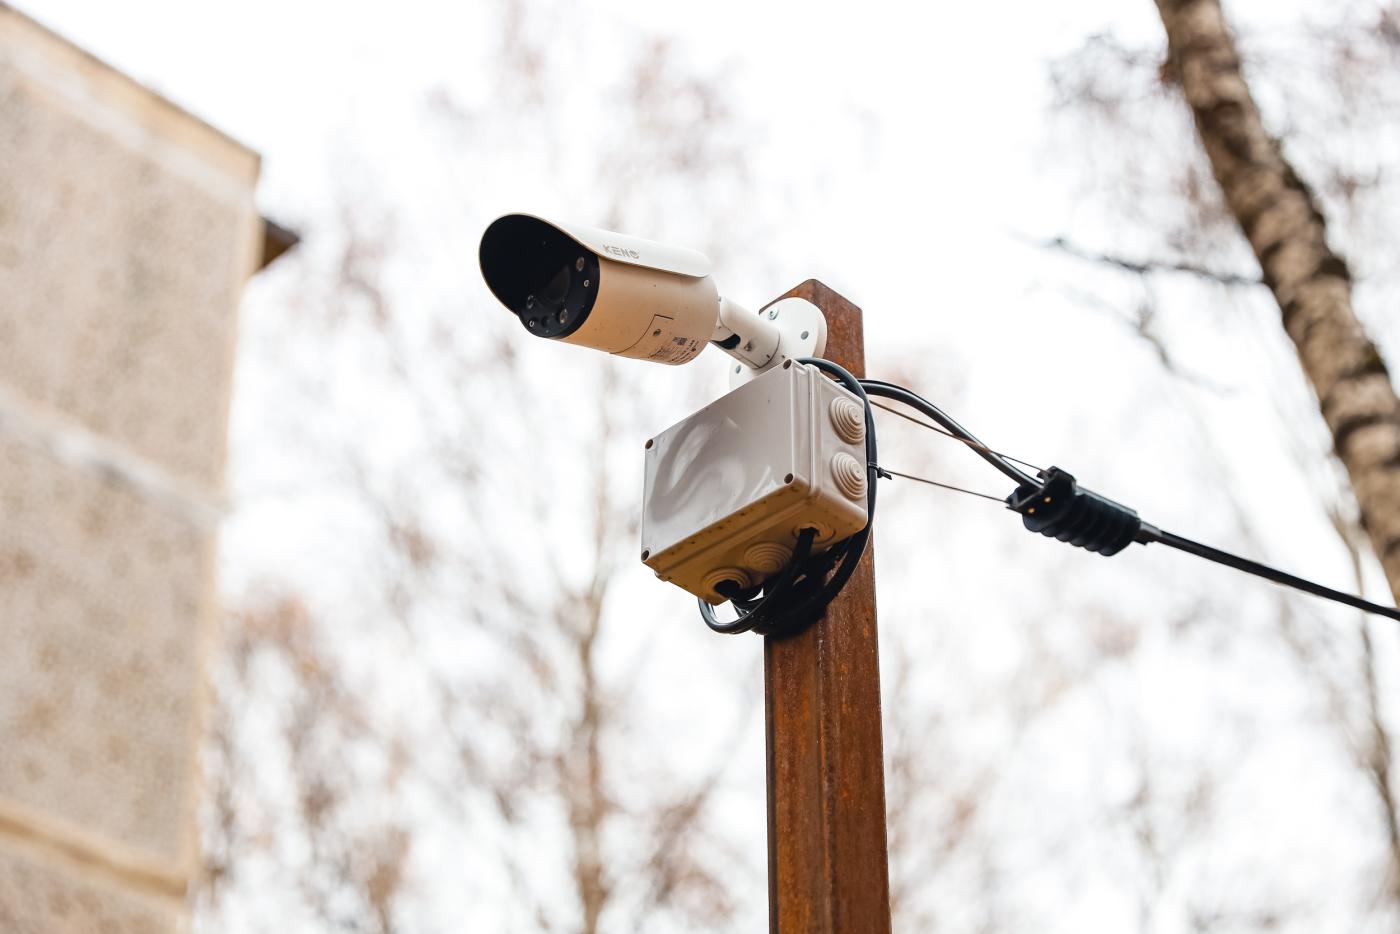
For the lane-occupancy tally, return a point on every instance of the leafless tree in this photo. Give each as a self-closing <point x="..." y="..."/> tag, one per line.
<point x="1328" y="96"/>
<point x="512" y="685"/>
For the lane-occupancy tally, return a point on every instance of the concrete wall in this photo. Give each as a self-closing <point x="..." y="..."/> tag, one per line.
<point x="127" y="230"/>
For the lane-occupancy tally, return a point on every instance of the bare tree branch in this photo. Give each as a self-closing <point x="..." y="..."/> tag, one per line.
<point x="1144" y="267"/>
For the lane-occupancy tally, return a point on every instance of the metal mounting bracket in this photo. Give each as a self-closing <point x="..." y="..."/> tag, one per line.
<point x="801" y="333"/>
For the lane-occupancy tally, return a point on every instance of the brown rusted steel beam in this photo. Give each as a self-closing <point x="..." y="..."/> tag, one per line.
<point x="827" y="860"/>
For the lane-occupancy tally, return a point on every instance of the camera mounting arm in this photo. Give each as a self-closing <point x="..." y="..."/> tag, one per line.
<point x="788" y="329"/>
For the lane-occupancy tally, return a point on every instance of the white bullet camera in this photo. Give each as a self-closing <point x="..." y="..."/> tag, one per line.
<point x="635" y="298"/>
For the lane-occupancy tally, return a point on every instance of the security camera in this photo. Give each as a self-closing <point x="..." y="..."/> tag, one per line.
<point x="635" y="298"/>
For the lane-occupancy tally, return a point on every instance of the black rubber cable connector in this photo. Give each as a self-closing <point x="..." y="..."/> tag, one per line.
<point x="1057" y="507"/>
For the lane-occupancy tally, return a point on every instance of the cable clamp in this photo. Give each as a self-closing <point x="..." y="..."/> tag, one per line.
<point x="1058" y="508"/>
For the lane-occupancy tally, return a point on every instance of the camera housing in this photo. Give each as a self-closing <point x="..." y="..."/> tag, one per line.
<point x="623" y="295"/>
<point x="634" y="297"/>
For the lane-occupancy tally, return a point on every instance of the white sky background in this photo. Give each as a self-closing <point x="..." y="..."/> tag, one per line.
<point x="933" y="152"/>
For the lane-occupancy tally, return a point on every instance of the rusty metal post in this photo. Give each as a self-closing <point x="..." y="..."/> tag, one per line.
<point x="827" y="851"/>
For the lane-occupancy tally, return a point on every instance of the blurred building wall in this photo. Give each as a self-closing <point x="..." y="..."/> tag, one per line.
<point x="127" y="230"/>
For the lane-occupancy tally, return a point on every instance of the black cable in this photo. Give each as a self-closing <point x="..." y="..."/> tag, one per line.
<point x="750" y="608"/>
<point x="878" y="387"/>
<point x="795" y="597"/>
<point x="948" y="434"/>
<point x="1263" y="570"/>
<point x="818" y="590"/>
<point x="1056" y="506"/>
<point x="1053" y="504"/>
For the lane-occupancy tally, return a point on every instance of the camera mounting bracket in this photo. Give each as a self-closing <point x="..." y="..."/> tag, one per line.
<point x="801" y="328"/>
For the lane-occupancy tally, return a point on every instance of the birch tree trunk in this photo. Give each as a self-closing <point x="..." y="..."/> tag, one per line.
<point x="1311" y="283"/>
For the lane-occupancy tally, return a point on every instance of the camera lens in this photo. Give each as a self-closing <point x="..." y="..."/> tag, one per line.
<point x="557" y="289"/>
<point x="536" y="271"/>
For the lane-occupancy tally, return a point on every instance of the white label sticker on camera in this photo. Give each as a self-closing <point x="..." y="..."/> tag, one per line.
<point x="661" y="344"/>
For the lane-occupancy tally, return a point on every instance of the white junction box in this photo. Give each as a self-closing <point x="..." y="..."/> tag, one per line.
<point x="728" y="489"/>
